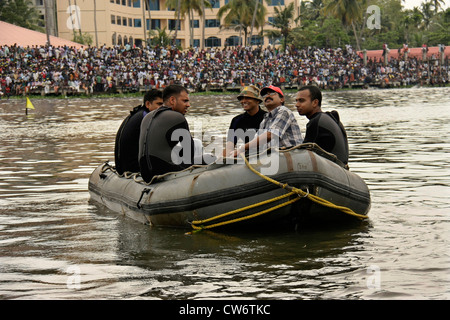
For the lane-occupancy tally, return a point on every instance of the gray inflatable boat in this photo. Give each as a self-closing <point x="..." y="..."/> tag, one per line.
<point x="280" y="188"/>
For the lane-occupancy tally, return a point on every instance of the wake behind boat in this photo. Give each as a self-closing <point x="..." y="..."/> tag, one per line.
<point x="308" y="185"/>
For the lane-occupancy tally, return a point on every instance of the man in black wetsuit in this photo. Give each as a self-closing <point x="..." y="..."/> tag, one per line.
<point x="161" y="131"/>
<point x="323" y="128"/>
<point x="245" y="125"/>
<point x="127" y="139"/>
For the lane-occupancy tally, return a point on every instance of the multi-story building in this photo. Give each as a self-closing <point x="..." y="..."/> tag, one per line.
<point x="111" y="22"/>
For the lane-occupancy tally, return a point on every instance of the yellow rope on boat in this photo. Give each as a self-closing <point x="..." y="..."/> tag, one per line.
<point x="198" y="224"/>
<point x="243" y="209"/>
<point x="312" y="197"/>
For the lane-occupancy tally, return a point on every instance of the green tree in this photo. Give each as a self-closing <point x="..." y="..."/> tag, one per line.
<point x="159" y="37"/>
<point x="437" y="4"/>
<point x="239" y="14"/>
<point x="324" y="32"/>
<point x="349" y="12"/>
<point x="189" y="8"/>
<point x="427" y="14"/>
<point x="84" y="38"/>
<point x="311" y="10"/>
<point x="21" y="13"/>
<point x="282" y="21"/>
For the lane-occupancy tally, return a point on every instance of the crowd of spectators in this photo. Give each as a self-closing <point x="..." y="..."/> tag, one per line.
<point x="48" y="69"/>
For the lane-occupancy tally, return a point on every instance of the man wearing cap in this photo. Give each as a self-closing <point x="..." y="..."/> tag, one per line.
<point x="278" y="123"/>
<point x="245" y="125"/>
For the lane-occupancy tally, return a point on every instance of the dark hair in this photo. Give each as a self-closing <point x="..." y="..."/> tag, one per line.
<point x="172" y="90"/>
<point x="314" y="93"/>
<point x="152" y="95"/>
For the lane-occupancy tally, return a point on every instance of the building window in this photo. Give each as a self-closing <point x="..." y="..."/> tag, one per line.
<point x="156" y="24"/>
<point x="118" y="2"/>
<point x="275" y="41"/>
<point x="277" y="2"/>
<point x="212" y="23"/>
<point x="136" y="3"/>
<point x="129" y="3"/>
<point x="124" y="2"/>
<point x="215" y="3"/>
<point x="124" y="21"/>
<point x="196" y="43"/>
<point x="213" y="42"/>
<point x="119" y="40"/>
<point x="119" y="21"/>
<point x="125" y="40"/>
<point x="154" y="5"/>
<point x="130" y="22"/>
<point x="137" y="23"/>
<point x="257" y="40"/>
<point x="114" y="39"/>
<point x="173" y="24"/>
<point x="232" y="41"/>
<point x="112" y="1"/>
<point x="195" y="23"/>
<point x="113" y="19"/>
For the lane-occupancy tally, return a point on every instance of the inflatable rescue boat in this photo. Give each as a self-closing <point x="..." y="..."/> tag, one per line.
<point x="305" y="184"/>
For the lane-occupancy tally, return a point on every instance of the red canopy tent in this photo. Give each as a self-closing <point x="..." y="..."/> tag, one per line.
<point x="413" y="52"/>
<point x="14" y="35"/>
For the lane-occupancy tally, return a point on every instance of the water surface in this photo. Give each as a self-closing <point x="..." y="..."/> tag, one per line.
<point x="56" y="244"/>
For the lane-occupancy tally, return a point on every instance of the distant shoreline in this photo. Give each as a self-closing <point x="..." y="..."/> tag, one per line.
<point x="200" y="93"/>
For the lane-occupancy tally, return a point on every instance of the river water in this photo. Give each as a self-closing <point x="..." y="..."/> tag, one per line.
<point x="56" y="244"/>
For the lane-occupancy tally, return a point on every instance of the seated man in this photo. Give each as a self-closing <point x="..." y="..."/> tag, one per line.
<point x="246" y="124"/>
<point x="323" y="128"/>
<point x="161" y="131"/>
<point x="278" y="123"/>
<point x="127" y="139"/>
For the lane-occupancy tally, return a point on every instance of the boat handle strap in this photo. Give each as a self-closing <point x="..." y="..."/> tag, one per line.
<point x="144" y="191"/>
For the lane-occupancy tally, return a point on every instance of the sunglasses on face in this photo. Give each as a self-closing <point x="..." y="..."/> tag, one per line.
<point x="269" y="94"/>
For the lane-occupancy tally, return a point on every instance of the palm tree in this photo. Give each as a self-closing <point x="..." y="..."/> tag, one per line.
<point x="189" y="7"/>
<point x="78" y="18"/>
<point x="437" y="4"/>
<point x="149" y="15"/>
<point x="47" y="27"/>
<point x="427" y="14"/>
<point x="95" y="23"/>
<point x="282" y="20"/>
<point x="348" y="11"/>
<point x="202" y="44"/>
<point x="159" y="37"/>
<point x="411" y="18"/>
<point x="239" y="13"/>
<point x="311" y="10"/>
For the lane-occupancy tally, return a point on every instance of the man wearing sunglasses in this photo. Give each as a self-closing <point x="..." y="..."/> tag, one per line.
<point x="279" y="127"/>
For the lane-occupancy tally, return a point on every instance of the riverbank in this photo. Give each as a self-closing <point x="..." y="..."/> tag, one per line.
<point x="140" y="93"/>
